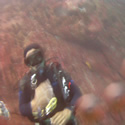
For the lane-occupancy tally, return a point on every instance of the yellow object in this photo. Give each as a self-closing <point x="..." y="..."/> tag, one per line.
<point x="35" y="114"/>
<point x="49" y="108"/>
<point x="88" y="64"/>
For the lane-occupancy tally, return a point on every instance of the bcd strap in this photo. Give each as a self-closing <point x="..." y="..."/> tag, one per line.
<point x="62" y="78"/>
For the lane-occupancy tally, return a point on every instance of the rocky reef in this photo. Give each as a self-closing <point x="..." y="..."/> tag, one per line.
<point x="88" y="36"/>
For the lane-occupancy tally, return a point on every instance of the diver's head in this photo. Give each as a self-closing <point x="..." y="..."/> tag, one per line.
<point x="34" y="55"/>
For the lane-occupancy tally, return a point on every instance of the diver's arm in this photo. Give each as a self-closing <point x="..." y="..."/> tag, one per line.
<point x="62" y="117"/>
<point x="24" y="104"/>
<point x="24" y="98"/>
<point x="75" y="94"/>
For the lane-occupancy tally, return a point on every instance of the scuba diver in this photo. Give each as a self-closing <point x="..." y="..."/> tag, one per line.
<point x="47" y="94"/>
<point x="3" y="110"/>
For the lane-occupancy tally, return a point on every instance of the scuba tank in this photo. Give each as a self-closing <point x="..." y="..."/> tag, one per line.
<point x="62" y="78"/>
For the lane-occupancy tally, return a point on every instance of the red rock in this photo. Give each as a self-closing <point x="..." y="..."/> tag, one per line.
<point x="114" y="96"/>
<point x="95" y="25"/>
<point x="89" y="108"/>
<point x="123" y="68"/>
<point x="3" y="121"/>
<point x="21" y="25"/>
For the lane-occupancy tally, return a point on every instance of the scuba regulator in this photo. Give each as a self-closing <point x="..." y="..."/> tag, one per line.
<point x="39" y="70"/>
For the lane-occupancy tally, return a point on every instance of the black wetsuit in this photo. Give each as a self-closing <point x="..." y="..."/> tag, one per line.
<point x="26" y="94"/>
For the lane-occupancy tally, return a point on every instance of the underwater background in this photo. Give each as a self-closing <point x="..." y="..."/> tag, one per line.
<point x="88" y="36"/>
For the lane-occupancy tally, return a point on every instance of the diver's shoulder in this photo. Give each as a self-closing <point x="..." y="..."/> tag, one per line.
<point x="25" y="79"/>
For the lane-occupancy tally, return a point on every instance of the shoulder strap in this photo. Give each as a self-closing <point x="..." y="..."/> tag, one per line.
<point x="62" y="78"/>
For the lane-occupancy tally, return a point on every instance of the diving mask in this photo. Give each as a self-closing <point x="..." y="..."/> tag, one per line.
<point x="34" y="59"/>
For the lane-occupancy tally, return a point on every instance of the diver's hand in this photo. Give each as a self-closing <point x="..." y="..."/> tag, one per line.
<point x="62" y="117"/>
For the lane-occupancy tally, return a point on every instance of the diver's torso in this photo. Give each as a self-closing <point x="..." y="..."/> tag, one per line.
<point x="49" y="91"/>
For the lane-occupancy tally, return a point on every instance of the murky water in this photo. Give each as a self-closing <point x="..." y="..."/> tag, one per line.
<point x="88" y="36"/>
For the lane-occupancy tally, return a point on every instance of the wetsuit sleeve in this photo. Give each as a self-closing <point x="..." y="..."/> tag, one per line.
<point x="24" y="104"/>
<point x="75" y="93"/>
<point x="25" y="99"/>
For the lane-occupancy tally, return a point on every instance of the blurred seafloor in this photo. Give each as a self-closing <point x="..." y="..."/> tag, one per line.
<point x="88" y="36"/>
